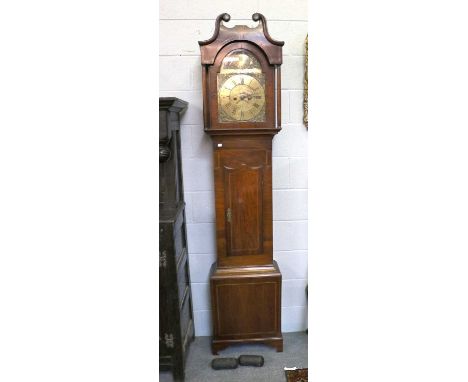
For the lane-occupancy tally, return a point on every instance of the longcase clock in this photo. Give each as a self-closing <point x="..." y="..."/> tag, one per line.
<point x="241" y="106"/>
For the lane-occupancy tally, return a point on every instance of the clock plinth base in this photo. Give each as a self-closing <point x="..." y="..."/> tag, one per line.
<point x="246" y="305"/>
<point x="219" y="345"/>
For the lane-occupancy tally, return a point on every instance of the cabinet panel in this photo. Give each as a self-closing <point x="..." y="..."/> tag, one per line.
<point x="183" y="277"/>
<point x="247" y="308"/>
<point x="185" y="316"/>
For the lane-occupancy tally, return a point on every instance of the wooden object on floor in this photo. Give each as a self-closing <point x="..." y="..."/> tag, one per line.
<point x="298" y="375"/>
<point x="241" y="106"/>
<point x="176" y="328"/>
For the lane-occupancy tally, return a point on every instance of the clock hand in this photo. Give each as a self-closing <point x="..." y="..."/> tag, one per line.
<point x="242" y="96"/>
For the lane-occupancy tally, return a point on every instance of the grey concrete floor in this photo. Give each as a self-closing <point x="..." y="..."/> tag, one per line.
<point x="198" y="366"/>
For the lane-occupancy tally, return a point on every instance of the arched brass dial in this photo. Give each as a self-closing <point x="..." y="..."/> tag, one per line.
<point x="241" y="97"/>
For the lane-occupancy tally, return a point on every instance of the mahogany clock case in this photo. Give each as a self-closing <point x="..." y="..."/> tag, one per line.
<point x="245" y="282"/>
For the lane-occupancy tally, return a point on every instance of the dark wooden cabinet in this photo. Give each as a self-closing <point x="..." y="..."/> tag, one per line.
<point x="241" y="104"/>
<point x="176" y="328"/>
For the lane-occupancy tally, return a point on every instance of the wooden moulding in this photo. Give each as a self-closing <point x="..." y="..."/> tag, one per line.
<point x="223" y="36"/>
<point x="250" y="271"/>
<point x="243" y="131"/>
<point x="172" y="104"/>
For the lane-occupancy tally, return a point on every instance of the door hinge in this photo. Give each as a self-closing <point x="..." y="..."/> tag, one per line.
<point x="228" y="215"/>
<point x="169" y="340"/>
<point x="163" y="259"/>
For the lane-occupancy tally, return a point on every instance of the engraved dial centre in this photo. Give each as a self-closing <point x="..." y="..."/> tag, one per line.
<point x="241" y="93"/>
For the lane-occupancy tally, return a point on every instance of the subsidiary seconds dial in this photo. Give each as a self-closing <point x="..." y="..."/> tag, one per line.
<point x="242" y="97"/>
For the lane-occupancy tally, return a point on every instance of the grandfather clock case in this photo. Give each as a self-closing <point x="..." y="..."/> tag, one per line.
<point x="242" y="113"/>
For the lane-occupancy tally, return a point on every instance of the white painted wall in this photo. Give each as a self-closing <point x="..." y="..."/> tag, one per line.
<point x="182" y="24"/>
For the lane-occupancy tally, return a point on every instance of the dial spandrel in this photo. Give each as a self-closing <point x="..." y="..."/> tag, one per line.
<point x="241" y="89"/>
